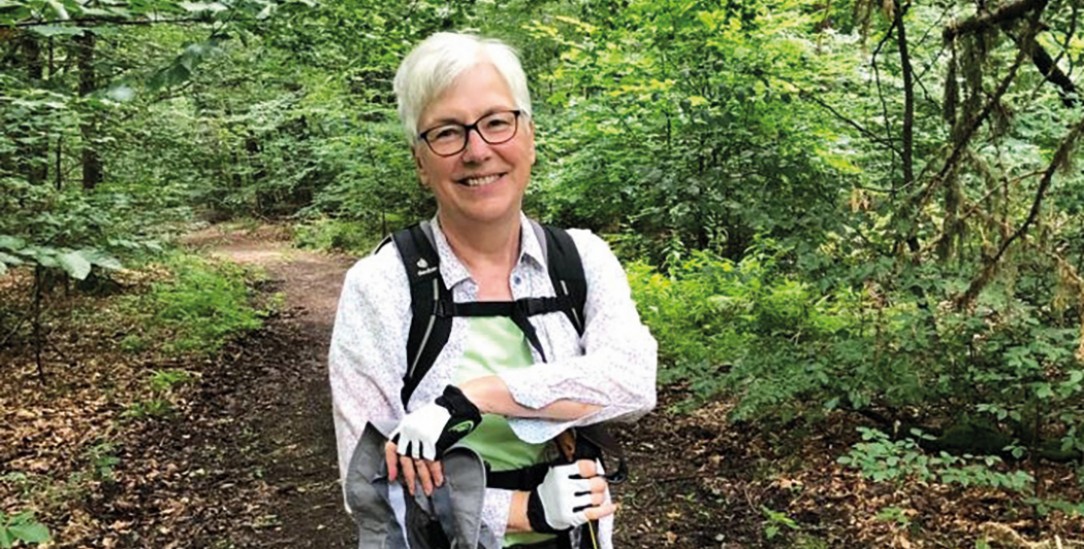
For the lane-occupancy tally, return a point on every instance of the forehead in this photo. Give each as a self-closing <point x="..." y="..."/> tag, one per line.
<point x="477" y="92"/>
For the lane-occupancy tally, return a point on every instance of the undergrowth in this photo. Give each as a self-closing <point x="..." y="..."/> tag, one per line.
<point x="196" y="308"/>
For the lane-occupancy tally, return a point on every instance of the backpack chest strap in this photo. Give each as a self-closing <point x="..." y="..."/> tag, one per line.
<point x="519" y="311"/>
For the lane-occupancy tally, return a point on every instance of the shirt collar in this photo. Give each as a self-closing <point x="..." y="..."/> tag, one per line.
<point x="453" y="271"/>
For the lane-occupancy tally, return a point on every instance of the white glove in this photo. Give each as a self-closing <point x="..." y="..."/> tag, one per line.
<point x="560" y="502"/>
<point x="428" y="431"/>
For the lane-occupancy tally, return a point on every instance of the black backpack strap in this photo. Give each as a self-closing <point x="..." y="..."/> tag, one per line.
<point x="566" y="270"/>
<point x="519" y="311"/>
<point x="429" y="330"/>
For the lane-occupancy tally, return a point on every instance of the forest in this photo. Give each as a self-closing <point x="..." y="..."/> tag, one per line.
<point x="855" y="229"/>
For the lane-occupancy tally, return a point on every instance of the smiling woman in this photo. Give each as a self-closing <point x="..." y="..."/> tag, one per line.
<point x="454" y="342"/>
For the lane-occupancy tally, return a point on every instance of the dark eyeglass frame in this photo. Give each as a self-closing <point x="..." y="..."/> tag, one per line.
<point x="424" y="136"/>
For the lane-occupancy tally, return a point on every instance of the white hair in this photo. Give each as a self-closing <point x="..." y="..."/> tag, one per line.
<point x="434" y="64"/>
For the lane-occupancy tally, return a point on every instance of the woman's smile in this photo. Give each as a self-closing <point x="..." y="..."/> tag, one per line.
<point x="479" y="180"/>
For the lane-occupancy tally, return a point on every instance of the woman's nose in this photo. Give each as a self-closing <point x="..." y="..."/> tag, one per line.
<point x="477" y="148"/>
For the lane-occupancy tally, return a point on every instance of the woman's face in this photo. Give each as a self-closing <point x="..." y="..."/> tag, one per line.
<point x="484" y="183"/>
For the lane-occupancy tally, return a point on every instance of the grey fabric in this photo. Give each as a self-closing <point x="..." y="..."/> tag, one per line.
<point x="431" y="522"/>
<point x="367" y="494"/>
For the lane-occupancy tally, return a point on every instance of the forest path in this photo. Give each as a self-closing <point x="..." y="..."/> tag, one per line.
<point x="295" y="431"/>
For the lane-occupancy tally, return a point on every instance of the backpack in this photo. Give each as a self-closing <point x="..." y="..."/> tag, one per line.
<point x="433" y="309"/>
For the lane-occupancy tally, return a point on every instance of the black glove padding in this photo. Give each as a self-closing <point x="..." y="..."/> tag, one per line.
<point x="429" y="431"/>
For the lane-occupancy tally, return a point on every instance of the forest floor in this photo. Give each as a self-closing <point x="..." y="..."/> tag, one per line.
<point x="246" y="455"/>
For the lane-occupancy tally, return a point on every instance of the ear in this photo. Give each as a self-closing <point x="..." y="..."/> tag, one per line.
<point x="422" y="177"/>
<point x="532" y="155"/>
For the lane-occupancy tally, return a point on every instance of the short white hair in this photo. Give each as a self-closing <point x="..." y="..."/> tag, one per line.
<point x="434" y="64"/>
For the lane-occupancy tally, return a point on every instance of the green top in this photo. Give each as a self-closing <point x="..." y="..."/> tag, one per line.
<point x="494" y="345"/>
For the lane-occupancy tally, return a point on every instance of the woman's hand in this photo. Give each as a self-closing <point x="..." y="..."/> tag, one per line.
<point x="426" y="433"/>
<point x="428" y="472"/>
<point x="570" y="495"/>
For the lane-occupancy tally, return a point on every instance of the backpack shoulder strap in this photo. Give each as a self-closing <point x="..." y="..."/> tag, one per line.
<point x="429" y="330"/>
<point x="565" y="269"/>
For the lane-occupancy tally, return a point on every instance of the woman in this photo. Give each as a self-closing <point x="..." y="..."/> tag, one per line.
<point x="464" y="104"/>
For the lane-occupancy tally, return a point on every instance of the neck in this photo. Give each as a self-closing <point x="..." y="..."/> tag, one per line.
<point x="483" y="248"/>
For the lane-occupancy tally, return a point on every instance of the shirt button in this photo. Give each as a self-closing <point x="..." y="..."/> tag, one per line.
<point x="516" y="280"/>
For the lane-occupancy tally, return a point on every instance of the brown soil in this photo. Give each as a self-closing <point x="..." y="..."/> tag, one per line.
<point x="248" y="457"/>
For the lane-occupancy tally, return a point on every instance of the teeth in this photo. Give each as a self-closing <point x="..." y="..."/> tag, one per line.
<point x="479" y="181"/>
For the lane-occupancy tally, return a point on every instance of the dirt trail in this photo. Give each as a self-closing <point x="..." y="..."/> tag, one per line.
<point x="295" y="431"/>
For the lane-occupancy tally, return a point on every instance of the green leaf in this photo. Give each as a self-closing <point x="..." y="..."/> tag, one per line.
<point x="34" y="532"/>
<point x="46" y="257"/>
<point x="101" y="258"/>
<point x="12" y="243"/>
<point x="174" y="75"/>
<point x="1044" y="391"/>
<point x="75" y="265"/>
<point x="49" y="31"/>
<point x="197" y="7"/>
<point x="6" y="540"/>
<point x="61" y="11"/>
<point x="120" y="93"/>
<point x="7" y="259"/>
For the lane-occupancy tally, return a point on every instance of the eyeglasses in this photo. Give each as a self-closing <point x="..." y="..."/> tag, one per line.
<point x="451" y="139"/>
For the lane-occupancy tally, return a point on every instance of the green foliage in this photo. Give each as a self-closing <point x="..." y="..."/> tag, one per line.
<point x="325" y="233"/>
<point x="21" y="527"/>
<point x="774" y="522"/>
<point x="163" y="385"/>
<point x="680" y="123"/>
<point x="880" y="459"/>
<point x="152" y="408"/>
<point x="738" y="328"/>
<point x="103" y="459"/>
<point x="197" y="310"/>
<point x="204" y="305"/>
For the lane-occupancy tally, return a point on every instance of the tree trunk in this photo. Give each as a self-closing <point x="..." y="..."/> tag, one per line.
<point x="92" y="164"/>
<point x="35" y="156"/>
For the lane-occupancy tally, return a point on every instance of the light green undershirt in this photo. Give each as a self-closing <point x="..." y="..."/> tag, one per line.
<point x="494" y="345"/>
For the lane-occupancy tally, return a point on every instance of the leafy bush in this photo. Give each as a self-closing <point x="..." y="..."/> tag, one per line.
<point x="880" y="458"/>
<point x="324" y="233"/>
<point x="201" y="306"/>
<point x="784" y="348"/>
<point x="736" y="327"/>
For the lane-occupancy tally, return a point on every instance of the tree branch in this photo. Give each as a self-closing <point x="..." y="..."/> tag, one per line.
<point x="96" y="21"/>
<point x="907" y="153"/>
<point x="861" y="129"/>
<point x="1061" y="157"/>
<point x="1048" y="68"/>
<point x="1004" y="14"/>
<point x="969" y="131"/>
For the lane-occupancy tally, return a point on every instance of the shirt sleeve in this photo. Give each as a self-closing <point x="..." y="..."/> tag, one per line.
<point x="367" y="356"/>
<point x="495" y="511"/>
<point x="618" y="366"/>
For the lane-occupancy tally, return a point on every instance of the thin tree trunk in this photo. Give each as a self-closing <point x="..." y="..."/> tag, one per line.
<point x="908" y="144"/>
<point x="33" y="153"/>
<point x="92" y="164"/>
<point x="39" y="336"/>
